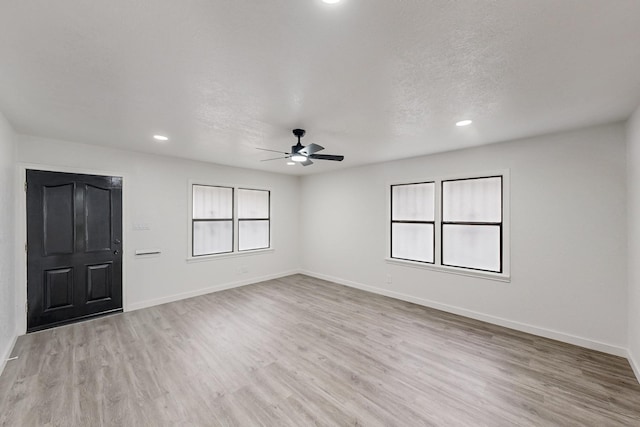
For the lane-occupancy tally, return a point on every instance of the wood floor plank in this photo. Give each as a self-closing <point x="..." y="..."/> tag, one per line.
<point x="300" y="351"/>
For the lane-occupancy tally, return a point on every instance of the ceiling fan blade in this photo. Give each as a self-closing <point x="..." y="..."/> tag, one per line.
<point x="273" y="151"/>
<point x="327" y="157"/>
<point x="276" y="158"/>
<point x="310" y="149"/>
<point x="306" y="162"/>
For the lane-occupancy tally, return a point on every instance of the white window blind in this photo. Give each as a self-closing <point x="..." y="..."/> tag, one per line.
<point x="472" y="223"/>
<point x="212" y="220"/>
<point x="253" y="219"/>
<point x="413" y="221"/>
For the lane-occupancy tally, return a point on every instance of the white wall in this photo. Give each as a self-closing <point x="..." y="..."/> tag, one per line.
<point x="633" y="182"/>
<point x="568" y="235"/>
<point x="7" y="284"/>
<point x="156" y="192"/>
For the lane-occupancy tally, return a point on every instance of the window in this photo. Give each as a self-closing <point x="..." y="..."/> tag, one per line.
<point x="220" y="213"/>
<point x="472" y="223"/>
<point x="212" y="221"/>
<point x="455" y="225"/>
<point x="413" y="221"/>
<point x="253" y="219"/>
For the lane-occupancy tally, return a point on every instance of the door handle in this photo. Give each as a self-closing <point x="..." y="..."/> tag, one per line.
<point x="115" y="252"/>
<point x="117" y="241"/>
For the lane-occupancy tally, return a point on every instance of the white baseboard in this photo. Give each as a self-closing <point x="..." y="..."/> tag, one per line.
<point x="204" y="291"/>
<point x="7" y="353"/>
<point x="634" y="365"/>
<point x="523" y="327"/>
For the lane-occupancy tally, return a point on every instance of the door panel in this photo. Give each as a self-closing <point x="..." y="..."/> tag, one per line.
<point x="58" y="289"/>
<point x="97" y="212"/>
<point x="59" y="220"/>
<point x="74" y="255"/>
<point x="99" y="282"/>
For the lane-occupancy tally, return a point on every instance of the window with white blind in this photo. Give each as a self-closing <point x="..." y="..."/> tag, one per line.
<point x="472" y="223"/>
<point x="212" y="220"/>
<point x="413" y="221"/>
<point x="253" y="219"/>
<point x="229" y="220"/>
<point x="454" y="224"/>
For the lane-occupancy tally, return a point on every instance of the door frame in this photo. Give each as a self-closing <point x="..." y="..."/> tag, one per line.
<point x="21" y="233"/>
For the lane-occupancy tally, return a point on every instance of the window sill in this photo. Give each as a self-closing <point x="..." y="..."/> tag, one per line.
<point x="206" y="258"/>
<point x="499" y="277"/>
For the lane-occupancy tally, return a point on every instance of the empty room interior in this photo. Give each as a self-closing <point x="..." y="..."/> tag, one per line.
<point x="320" y="212"/>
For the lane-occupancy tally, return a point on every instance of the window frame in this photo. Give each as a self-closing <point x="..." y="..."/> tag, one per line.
<point x="392" y="221"/>
<point x="472" y="223"/>
<point x="239" y="220"/>
<point x="194" y="220"/>
<point x="190" y="258"/>
<point x="505" y="237"/>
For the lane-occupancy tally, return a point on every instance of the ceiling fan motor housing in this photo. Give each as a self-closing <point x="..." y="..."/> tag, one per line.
<point x="299" y="133"/>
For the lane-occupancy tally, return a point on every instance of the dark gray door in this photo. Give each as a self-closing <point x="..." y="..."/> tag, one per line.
<point x="74" y="247"/>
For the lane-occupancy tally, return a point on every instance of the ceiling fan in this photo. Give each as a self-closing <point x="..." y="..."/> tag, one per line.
<point x="303" y="155"/>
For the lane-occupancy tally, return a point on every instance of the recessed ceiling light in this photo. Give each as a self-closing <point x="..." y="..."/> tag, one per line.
<point x="160" y="138"/>
<point x="331" y="1"/>
<point x="464" y="123"/>
<point x="291" y="163"/>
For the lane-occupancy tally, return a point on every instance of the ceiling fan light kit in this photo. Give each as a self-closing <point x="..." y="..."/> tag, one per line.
<point x="303" y="155"/>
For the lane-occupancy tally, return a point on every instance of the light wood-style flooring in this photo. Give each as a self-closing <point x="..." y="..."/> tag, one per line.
<point x="300" y="351"/>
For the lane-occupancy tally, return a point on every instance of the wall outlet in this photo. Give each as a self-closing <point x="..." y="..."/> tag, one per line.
<point x="389" y="281"/>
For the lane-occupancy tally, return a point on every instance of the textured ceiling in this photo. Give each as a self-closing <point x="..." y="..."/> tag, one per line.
<point x="371" y="79"/>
